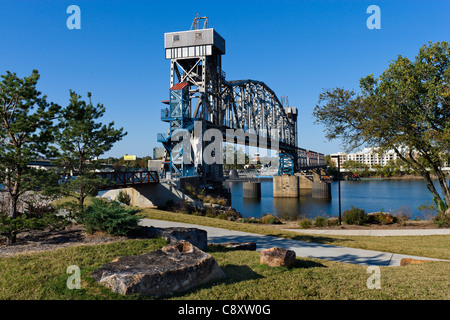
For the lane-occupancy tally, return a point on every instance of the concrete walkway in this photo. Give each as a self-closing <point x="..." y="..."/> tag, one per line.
<point x="376" y="233"/>
<point x="301" y="248"/>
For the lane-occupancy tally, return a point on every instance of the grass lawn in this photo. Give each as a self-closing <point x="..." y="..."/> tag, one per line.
<point x="43" y="276"/>
<point x="436" y="246"/>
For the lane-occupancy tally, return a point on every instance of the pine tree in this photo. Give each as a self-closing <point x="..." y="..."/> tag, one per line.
<point x="26" y="133"/>
<point x="81" y="139"/>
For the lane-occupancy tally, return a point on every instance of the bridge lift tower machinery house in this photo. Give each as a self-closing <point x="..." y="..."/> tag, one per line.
<point x="201" y="98"/>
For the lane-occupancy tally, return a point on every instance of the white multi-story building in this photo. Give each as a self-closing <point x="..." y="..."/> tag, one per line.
<point x="366" y="156"/>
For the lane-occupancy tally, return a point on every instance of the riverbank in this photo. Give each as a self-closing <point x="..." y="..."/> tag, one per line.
<point x="400" y="177"/>
<point x="407" y="225"/>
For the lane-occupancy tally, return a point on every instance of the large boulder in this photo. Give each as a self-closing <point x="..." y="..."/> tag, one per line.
<point x="277" y="257"/>
<point x="197" y="237"/>
<point x="173" y="269"/>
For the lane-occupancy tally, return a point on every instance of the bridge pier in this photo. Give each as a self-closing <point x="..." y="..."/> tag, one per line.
<point x="251" y="189"/>
<point x="321" y="190"/>
<point x="286" y="186"/>
<point x="291" y="186"/>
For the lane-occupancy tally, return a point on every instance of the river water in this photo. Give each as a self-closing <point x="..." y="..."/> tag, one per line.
<point x="370" y="195"/>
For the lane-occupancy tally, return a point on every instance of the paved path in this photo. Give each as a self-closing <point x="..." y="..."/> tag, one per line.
<point x="301" y="248"/>
<point x="377" y="233"/>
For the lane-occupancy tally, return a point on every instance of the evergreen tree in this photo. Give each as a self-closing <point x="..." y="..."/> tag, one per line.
<point x="81" y="140"/>
<point x="26" y="133"/>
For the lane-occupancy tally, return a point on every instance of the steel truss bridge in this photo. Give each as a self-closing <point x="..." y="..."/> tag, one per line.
<point x="201" y="96"/>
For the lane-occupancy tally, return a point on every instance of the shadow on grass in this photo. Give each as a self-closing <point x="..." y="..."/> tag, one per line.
<point x="304" y="264"/>
<point x="270" y="241"/>
<point x="238" y="273"/>
<point x="310" y="238"/>
<point x="234" y="274"/>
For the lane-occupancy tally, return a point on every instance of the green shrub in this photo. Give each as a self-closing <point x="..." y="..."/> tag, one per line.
<point x="190" y="189"/>
<point x="354" y="216"/>
<point x="333" y="222"/>
<point x="208" y="199"/>
<point x="10" y="228"/>
<point x="232" y="215"/>
<point x="381" y="218"/>
<point x="111" y="218"/>
<point x="320" y="221"/>
<point x="305" y="223"/>
<point x="222" y="216"/>
<point x="270" y="219"/>
<point x="210" y="212"/>
<point x="248" y="220"/>
<point x="442" y="220"/>
<point x="184" y="206"/>
<point x="123" y="197"/>
<point x="222" y="202"/>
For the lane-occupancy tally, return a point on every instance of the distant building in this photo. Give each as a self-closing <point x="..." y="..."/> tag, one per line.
<point x="366" y="156"/>
<point x="158" y="152"/>
<point x="370" y="158"/>
<point x="41" y="164"/>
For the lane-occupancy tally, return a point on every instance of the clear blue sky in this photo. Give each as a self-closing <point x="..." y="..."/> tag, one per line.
<point x="297" y="48"/>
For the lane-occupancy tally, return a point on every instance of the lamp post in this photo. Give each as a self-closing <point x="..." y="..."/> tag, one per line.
<point x="339" y="184"/>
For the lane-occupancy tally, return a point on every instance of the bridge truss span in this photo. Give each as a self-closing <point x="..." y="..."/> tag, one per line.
<point x="252" y="106"/>
<point x="200" y="93"/>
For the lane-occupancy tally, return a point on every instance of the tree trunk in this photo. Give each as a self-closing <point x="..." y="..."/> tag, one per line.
<point x="11" y="239"/>
<point x="444" y="188"/>
<point x="81" y="201"/>
<point x="424" y="173"/>
<point x="13" y="209"/>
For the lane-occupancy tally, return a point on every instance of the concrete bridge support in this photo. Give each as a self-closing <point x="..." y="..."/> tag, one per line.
<point x="305" y="183"/>
<point x="285" y="186"/>
<point x="321" y="190"/>
<point x="151" y="195"/>
<point x="251" y="189"/>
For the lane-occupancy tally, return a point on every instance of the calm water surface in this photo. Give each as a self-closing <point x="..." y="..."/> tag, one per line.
<point x="370" y="195"/>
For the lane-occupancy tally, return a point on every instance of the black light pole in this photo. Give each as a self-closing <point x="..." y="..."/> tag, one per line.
<point x="339" y="185"/>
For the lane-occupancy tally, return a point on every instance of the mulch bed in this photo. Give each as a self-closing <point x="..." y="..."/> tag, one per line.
<point x="43" y="240"/>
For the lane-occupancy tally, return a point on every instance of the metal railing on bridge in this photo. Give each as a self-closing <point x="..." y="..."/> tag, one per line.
<point x="128" y="178"/>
